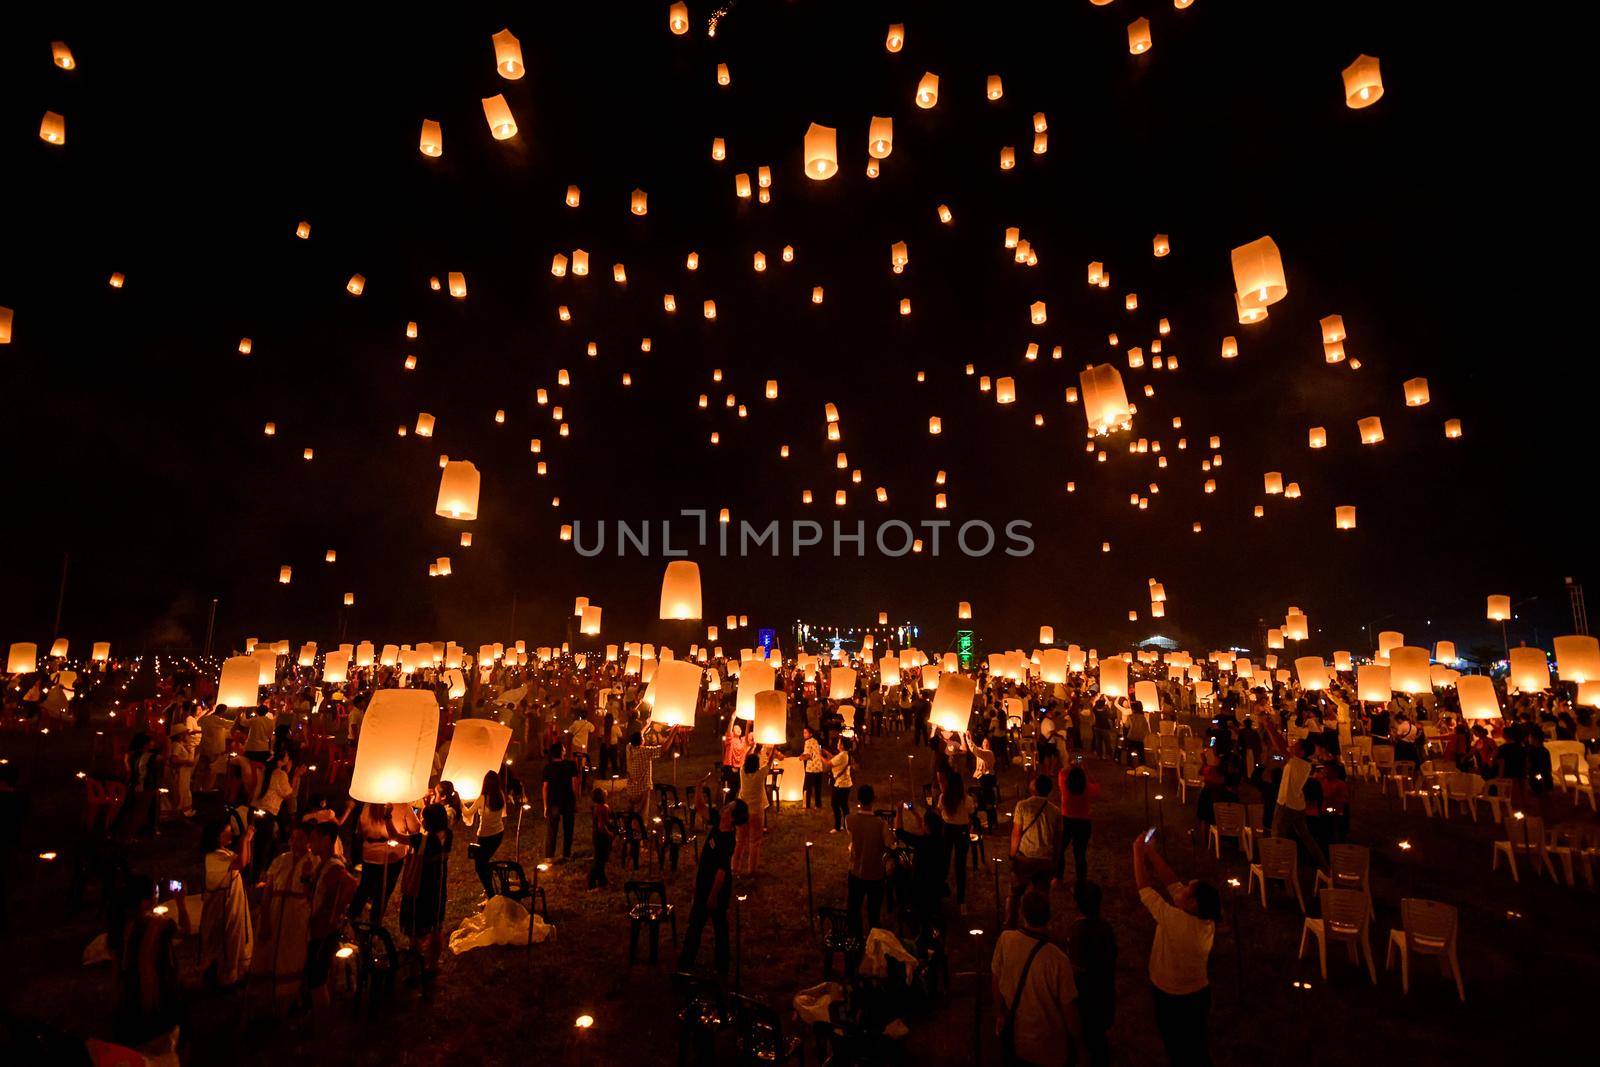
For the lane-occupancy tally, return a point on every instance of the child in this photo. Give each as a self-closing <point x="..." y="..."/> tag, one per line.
<point x="600" y="816"/>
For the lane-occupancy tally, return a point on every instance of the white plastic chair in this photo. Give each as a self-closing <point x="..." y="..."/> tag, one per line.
<point x="1345" y="917"/>
<point x="1428" y="928"/>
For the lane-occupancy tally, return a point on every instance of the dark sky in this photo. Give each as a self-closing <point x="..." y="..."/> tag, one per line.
<point x="1436" y="222"/>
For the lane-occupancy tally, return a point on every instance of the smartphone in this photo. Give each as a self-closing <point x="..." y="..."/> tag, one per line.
<point x="174" y="886"/>
<point x="1150" y="835"/>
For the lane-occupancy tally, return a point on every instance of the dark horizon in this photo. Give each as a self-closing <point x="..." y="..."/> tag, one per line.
<point x="133" y="428"/>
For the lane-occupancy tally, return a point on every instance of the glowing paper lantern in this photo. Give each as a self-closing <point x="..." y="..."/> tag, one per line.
<point x="680" y="590"/>
<point x="335" y="667"/>
<point x="1416" y="390"/>
<point x="1530" y="670"/>
<point x="1578" y="658"/>
<point x="1363" y="85"/>
<point x="952" y="704"/>
<point x="1105" y="401"/>
<point x="431" y="142"/>
<point x="508" y="61"/>
<point x="1047" y="635"/>
<point x="1114" y="678"/>
<point x="1409" y="669"/>
<point x="1372" y="683"/>
<point x="1258" y="274"/>
<point x="822" y="152"/>
<point x="458" y="491"/>
<point x="678" y="19"/>
<point x="928" y="91"/>
<point x="1317" y="437"/>
<point x="100" y="652"/>
<point x="394" y="756"/>
<point x="1499" y="608"/>
<point x="880" y="137"/>
<point x="477" y="746"/>
<point x="498" y="113"/>
<point x="1371" y="429"/>
<point x="240" y="683"/>
<point x="1139" y="36"/>
<point x="1311" y="672"/>
<point x="889" y="670"/>
<point x="591" y="620"/>
<point x="771" y="718"/>
<point x="841" y="683"/>
<point x="1478" y="697"/>
<point x="1344" y="517"/>
<point x="1452" y="428"/>
<point x="53" y="128"/>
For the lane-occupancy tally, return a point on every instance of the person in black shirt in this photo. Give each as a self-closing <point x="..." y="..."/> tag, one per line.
<point x="713" y="887"/>
<point x="1093" y="951"/>
<point x="560" y="801"/>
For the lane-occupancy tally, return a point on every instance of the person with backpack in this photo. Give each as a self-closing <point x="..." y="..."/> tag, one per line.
<point x="1035" y="995"/>
<point x="1035" y="844"/>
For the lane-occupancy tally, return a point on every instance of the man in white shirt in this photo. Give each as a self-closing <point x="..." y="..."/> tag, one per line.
<point x="1178" y="956"/>
<point x="1289" y="814"/>
<point x="1035" y="996"/>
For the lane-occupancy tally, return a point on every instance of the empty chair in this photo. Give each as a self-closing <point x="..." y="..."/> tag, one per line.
<point x="630" y="828"/>
<point x="758" y="1034"/>
<point x="648" y="908"/>
<point x="1463" y="789"/>
<point x="1229" y="823"/>
<point x="1572" y="775"/>
<point x="1348" y="867"/>
<point x="1497" y="793"/>
<point x="669" y="843"/>
<point x="1255" y="816"/>
<point x="1427" y="928"/>
<point x="1345" y="917"/>
<point x="1190" y="777"/>
<point x="1524" y="837"/>
<point x="836" y="933"/>
<point x="511" y="881"/>
<point x="1382" y="760"/>
<point x="1575" y="845"/>
<point x="702" y="1012"/>
<point x="1280" y="860"/>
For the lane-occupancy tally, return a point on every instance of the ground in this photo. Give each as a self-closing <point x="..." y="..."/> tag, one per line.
<point x="1528" y="950"/>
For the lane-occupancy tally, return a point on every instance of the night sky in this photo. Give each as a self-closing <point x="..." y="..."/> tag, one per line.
<point x="1437" y="222"/>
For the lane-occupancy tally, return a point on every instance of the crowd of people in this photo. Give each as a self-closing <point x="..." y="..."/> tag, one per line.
<point x="291" y="865"/>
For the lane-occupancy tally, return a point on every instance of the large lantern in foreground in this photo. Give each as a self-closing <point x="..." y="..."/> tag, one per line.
<point x="458" y="491"/>
<point x="771" y="715"/>
<point x="1578" y="658"/>
<point x="1477" y="696"/>
<point x="1372" y="683"/>
<point x="1409" y="669"/>
<point x="394" y="756"/>
<point x="952" y="703"/>
<point x="1258" y="274"/>
<point x="1530" y="670"/>
<point x="680" y="590"/>
<point x="1311" y="671"/>
<point x="1114" y="678"/>
<point x="841" y="683"/>
<point x="822" y="152"/>
<point x="23" y="658"/>
<point x="240" y="684"/>
<point x="476" y="747"/>
<point x="677" y="686"/>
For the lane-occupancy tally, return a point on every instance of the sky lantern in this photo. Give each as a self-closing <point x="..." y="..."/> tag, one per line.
<point x="928" y="91"/>
<point x="1258" y="274"/>
<point x="591" y="620"/>
<point x="424" y="426"/>
<point x="1344" y="517"/>
<point x="1230" y="348"/>
<point x="1317" y="437"/>
<point x="1445" y="651"/>
<point x="1038" y="312"/>
<point x="240" y="683"/>
<point x="1578" y="658"/>
<point x="498" y="113"/>
<point x="1371" y="429"/>
<point x="431" y="143"/>
<point x="1105" y="402"/>
<point x="1416" y="390"/>
<point x="1530" y="670"/>
<point x="356" y="285"/>
<point x="1499" y="608"/>
<point x="1008" y="157"/>
<point x="680" y="590"/>
<point x="935" y="424"/>
<point x="458" y="491"/>
<point x="1273" y="483"/>
<point x="1409" y="669"/>
<point x="1452" y="428"/>
<point x="53" y="128"/>
<point x="880" y="137"/>
<point x="1477" y="696"/>
<point x="639" y="204"/>
<point x="1372" y="683"/>
<point x="508" y="61"/>
<point x="1332" y="329"/>
<point x="1248" y="316"/>
<point x="723" y="77"/>
<point x="771" y="717"/>
<point x="896" y="39"/>
<point x="964" y="610"/>
<point x="1363" y="85"/>
<point x="952" y="703"/>
<point x="100" y="651"/>
<point x="822" y="152"/>
<point x="719" y="149"/>
<point x="61" y="55"/>
<point x="285" y="573"/>
<point x="678" y="19"/>
<point x="677" y="692"/>
<point x="1312" y="673"/>
<point x="1005" y="391"/>
<point x="477" y="746"/>
<point x="1139" y="36"/>
<point x="458" y="284"/>
<point x="394" y="754"/>
<point x="1114" y="676"/>
<point x="1161" y="246"/>
<point x="303" y="230"/>
<point x="993" y="89"/>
